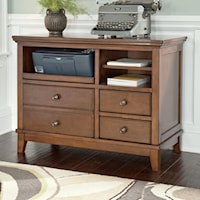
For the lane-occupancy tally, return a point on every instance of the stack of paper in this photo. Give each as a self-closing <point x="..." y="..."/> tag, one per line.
<point x="130" y="80"/>
<point x="130" y="62"/>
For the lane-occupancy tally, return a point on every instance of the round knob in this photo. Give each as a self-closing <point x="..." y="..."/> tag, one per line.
<point x="123" y="130"/>
<point x="56" y="97"/>
<point x="123" y="102"/>
<point x="55" y="123"/>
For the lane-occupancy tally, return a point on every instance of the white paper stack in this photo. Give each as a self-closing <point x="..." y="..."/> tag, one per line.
<point x="130" y="62"/>
<point x="129" y="80"/>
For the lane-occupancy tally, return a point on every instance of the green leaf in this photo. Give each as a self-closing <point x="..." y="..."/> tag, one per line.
<point x="69" y="5"/>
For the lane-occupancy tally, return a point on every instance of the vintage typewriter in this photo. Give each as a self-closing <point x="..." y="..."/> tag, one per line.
<point x="130" y="18"/>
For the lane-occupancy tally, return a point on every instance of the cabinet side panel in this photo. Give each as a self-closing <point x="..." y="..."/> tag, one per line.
<point x="20" y="85"/>
<point x="169" y="92"/>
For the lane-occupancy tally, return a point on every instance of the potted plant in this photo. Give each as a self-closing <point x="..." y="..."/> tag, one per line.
<point x="55" y="19"/>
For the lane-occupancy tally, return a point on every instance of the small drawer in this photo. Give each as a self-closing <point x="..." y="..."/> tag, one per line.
<point x="75" y="123"/>
<point x="137" y="103"/>
<point x="66" y="97"/>
<point x="125" y="130"/>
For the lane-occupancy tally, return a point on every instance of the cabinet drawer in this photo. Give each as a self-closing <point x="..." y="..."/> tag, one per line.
<point x="57" y="121"/>
<point x="65" y="97"/>
<point x="125" y="129"/>
<point x="125" y="102"/>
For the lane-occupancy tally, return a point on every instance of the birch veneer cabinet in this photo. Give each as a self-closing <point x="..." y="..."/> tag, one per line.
<point x="86" y="112"/>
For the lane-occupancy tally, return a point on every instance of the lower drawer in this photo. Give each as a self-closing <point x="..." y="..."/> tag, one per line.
<point x="125" y="129"/>
<point x="73" y="122"/>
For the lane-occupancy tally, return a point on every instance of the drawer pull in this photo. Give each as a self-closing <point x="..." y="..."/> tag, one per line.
<point x="123" y="102"/>
<point x="55" y="123"/>
<point x="56" y="97"/>
<point x="123" y="130"/>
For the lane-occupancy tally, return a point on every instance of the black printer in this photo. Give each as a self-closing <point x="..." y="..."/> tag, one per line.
<point x="72" y="62"/>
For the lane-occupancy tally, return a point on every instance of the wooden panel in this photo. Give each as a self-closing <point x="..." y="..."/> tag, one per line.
<point x="156" y="58"/>
<point x="57" y="121"/>
<point x="58" y="78"/>
<point x="78" y="98"/>
<point x="125" y="130"/>
<point x="169" y="100"/>
<point x="91" y="42"/>
<point x="125" y="102"/>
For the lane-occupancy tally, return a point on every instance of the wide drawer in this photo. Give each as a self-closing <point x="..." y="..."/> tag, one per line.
<point x="66" y="97"/>
<point x="125" y="129"/>
<point x="75" y="123"/>
<point x="125" y="102"/>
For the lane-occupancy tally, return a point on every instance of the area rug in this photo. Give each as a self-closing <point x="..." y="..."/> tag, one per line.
<point x="23" y="182"/>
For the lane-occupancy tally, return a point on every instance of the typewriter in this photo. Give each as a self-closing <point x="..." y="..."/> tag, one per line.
<point x="130" y="18"/>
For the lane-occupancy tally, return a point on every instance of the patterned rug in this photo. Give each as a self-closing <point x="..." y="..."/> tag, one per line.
<point x="23" y="182"/>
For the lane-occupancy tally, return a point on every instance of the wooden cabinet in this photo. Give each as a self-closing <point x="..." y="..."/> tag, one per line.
<point x="86" y="112"/>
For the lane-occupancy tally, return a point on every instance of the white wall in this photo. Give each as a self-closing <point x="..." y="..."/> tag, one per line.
<point x="170" y="7"/>
<point x="5" y="115"/>
<point x="161" y="25"/>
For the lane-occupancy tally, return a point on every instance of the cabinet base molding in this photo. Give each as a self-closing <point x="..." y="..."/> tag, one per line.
<point x="152" y="151"/>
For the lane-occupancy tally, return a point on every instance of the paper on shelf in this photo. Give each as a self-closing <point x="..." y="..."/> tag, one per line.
<point x="128" y="80"/>
<point x="130" y="62"/>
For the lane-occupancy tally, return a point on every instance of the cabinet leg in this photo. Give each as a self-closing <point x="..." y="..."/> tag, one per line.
<point x="176" y="147"/>
<point x="21" y="143"/>
<point x="155" y="159"/>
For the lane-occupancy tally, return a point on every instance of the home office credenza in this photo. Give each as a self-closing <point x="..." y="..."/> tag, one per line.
<point x="83" y="111"/>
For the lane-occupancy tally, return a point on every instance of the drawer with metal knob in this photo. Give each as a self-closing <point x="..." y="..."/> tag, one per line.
<point x="57" y="96"/>
<point x="125" y="129"/>
<point x="76" y="122"/>
<point x="137" y="103"/>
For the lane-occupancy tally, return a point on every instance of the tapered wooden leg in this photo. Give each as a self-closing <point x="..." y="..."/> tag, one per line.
<point x="21" y="143"/>
<point x="176" y="147"/>
<point x="155" y="159"/>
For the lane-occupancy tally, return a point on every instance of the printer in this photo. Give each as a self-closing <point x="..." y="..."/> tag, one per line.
<point x="71" y="62"/>
<point x="126" y="18"/>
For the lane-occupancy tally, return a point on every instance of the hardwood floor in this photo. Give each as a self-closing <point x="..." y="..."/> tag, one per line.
<point x="180" y="169"/>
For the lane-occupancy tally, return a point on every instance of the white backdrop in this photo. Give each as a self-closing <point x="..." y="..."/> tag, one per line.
<point x="5" y="121"/>
<point x="170" y="7"/>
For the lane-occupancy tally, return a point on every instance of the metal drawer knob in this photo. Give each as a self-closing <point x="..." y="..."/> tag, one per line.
<point x="55" y="123"/>
<point x="123" y="130"/>
<point x="56" y="97"/>
<point x="123" y="102"/>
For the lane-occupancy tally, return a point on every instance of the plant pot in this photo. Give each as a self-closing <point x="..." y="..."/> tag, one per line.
<point x="55" y="22"/>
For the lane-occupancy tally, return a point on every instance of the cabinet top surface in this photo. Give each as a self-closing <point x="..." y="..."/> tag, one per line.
<point x="94" y="40"/>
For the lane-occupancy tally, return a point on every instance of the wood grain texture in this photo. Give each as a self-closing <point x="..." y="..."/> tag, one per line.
<point x="179" y="169"/>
